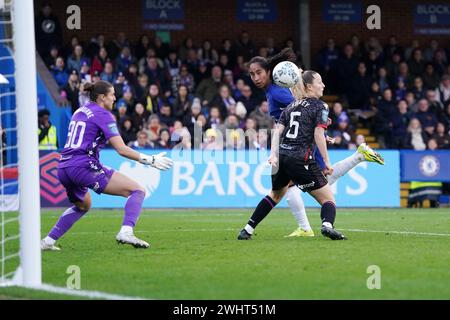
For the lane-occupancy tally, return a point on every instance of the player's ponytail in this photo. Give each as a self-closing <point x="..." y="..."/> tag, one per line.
<point x="96" y="89"/>
<point x="298" y="91"/>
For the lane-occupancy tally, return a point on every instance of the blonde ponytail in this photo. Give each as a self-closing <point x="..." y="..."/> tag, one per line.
<point x="298" y="91"/>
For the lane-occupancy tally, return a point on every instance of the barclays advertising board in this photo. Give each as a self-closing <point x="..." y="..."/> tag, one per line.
<point x="239" y="179"/>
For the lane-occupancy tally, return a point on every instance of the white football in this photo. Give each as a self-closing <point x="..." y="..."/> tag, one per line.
<point x="286" y="74"/>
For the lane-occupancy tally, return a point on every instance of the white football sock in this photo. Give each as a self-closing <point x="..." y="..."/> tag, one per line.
<point x="295" y="201"/>
<point x="49" y="240"/>
<point x="126" y="229"/>
<point x="249" y="229"/>
<point x="342" y="167"/>
<point x="327" y="224"/>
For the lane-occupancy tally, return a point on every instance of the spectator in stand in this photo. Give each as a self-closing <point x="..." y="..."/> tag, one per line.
<point x="213" y="140"/>
<point x="385" y="108"/>
<point x="192" y="61"/>
<point x="162" y="49"/>
<point x="153" y="127"/>
<point x="48" y="31"/>
<point x="47" y="134"/>
<point x="373" y="63"/>
<point x="398" y="123"/>
<point x="428" y="119"/>
<point x="207" y="53"/>
<point x="131" y="75"/>
<point x="152" y="101"/>
<point x="115" y="46"/>
<point x="140" y="50"/>
<point x="201" y="73"/>
<point x="443" y="90"/>
<point x="99" y="61"/>
<point x="430" y="77"/>
<point x="418" y="89"/>
<point x="415" y="138"/>
<point x="227" y="48"/>
<point x="163" y="141"/>
<point x="393" y="47"/>
<point x="431" y="50"/>
<point x="442" y="136"/>
<point x="85" y="74"/>
<point x="141" y="88"/>
<point x="187" y="45"/>
<point x="245" y="46"/>
<point x="382" y="79"/>
<point x="412" y="103"/>
<point x="72" y="90"/>
<point x="208" y="88"/>
<point x="358" y="47"/>
<point x="440" y="62"/>
<point x="359" y="91"/>
<point x="59" y="72"/>
<point x="165" y="115"/>
<point x="215" y="119"/>
<point x="120" y="85"/>
<point x="94" y="45"/>
<point x="251" y="134"/>
<point x="127" y="131"/>
<point x="336" y="112"/>
<point x="139" y="117"/>
<point x="393" y="66"/>
<point x="173" y="64"/>
<point x="261" y="115"/>
<point x="182" y="103"/>
<point x="108" y="73"/>
<point x="416" y="64"/>
<point x="400" y="93"/>
<point x="346" y="68"/>
<point x="415" y="44"/>
<point x="432" y="144"/>
<point x="124" y="59"/>
<point x="142" y="141"/>
<point x="157" y="75"/>
<point x="191" y="116"/>
<point x="121" y="112"/>
<point x="327" y="60"/>
<point x="247" y="99"/>
<point x="240" y="68"/>
<point x="75" y="61"/>
<point x="405" y="75"/>
<point x="435" y="106"/>
<point x="184" y="78"/>
<point x="224" y="100"/>
<point x="50" y="58"/>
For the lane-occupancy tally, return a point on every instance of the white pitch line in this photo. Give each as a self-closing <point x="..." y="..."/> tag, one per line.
<point x="84" y="293"/>
<point x="155" y="231"/>
<point x="231" y="229"/>
<point x="399" y="232"/>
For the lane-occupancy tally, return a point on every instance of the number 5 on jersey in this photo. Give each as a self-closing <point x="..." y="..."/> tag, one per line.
<point x="75" y="129"/>
<point x="293" y="125"/>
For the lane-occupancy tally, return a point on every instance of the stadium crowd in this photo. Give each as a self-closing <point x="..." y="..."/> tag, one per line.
<point x="163" y="92"/>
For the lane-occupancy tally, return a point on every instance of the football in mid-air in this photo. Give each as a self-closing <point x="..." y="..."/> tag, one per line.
<point x="286" y="74"/>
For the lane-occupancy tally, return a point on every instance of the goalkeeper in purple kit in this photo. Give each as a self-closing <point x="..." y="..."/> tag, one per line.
<point x="79" y="169"/>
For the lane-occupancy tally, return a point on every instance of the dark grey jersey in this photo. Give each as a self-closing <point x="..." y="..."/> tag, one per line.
<point x="300" y="119"/>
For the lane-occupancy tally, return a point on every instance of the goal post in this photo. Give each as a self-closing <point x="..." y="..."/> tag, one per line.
<point x="27" y="139"/>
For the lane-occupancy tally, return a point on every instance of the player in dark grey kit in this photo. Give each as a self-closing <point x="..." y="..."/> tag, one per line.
<point x="301" y="128"/>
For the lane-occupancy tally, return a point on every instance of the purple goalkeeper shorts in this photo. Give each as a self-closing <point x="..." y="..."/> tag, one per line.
<point x="77" y="180"/>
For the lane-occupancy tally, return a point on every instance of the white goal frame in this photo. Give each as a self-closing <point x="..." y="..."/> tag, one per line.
<point x="29" y="274"/>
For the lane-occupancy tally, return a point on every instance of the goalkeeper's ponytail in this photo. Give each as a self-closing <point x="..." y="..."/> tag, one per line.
<point x="97" y="88"/>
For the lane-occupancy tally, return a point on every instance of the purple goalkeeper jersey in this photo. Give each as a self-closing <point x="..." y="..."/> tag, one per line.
<point x="90" y="128"/>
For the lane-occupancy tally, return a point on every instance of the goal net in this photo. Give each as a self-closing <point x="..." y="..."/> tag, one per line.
<point x="20" y="257"/>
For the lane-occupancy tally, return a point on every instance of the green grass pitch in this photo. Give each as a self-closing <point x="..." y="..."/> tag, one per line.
<point x="194" y="254"/>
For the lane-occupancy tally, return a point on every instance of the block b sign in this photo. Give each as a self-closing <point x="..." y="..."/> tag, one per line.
<point x="163" y="9"/>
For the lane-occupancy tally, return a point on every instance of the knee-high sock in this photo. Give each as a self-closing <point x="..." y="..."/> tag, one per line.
<point x="65" y="222"/>
<point x="261" y="211"/>
<point x="295" y="201"/>
<point x="342" y="167"/>
<point x="328" y="213"/>
<point x="133" y="208"/>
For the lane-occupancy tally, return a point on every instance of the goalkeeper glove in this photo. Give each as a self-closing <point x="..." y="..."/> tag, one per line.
<point x="158" y="161"/>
